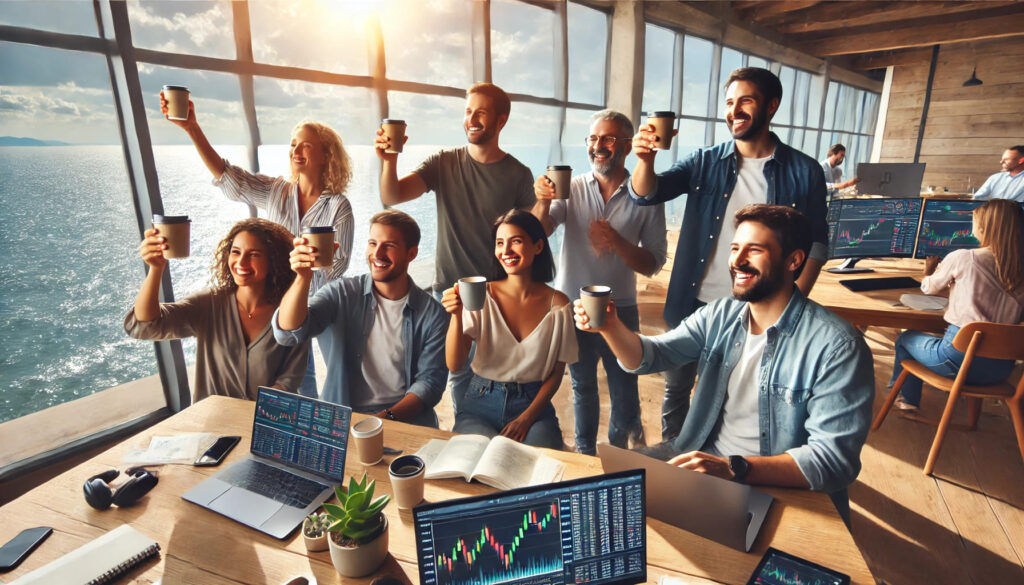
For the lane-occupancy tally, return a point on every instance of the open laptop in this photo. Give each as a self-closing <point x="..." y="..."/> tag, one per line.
<point x="890" y="179"/>
<point x="715" y="508"/>
<point x="297" y="455"/>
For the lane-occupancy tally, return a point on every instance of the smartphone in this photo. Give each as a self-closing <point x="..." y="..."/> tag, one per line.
<point x="218" y="451"/>
<point x="16" y="549"/>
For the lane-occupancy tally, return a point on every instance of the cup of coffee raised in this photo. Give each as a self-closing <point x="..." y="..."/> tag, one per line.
<point x="395" y="131"/>
<point x="177" y="101"/>
<point x="406" y="475"/>
<point x="663" y="123"/>
<point x="321" y="238"/>
<point x="369" y="438"/>
<point x="595" y="301"/>
<point x="177" y="230"/>
<point x="472" y="291"/>
<point x="560" y="176"/>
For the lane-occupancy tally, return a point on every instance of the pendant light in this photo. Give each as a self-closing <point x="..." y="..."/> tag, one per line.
<point x="974" y="78"/>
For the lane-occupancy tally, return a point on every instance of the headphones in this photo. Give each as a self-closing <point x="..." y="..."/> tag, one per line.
<point x="99" y="496"/>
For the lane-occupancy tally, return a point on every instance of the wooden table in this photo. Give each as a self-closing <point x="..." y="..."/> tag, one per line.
<point x="879" y="307"/>
<point x="199" y="546"/>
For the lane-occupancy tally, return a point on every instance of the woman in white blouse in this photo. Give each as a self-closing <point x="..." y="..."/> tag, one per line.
<point x="524" y="339"/>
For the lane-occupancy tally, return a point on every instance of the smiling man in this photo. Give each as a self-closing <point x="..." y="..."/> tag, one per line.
<point x="784" y="390"/>
<point x="1009" y="184"/>
<point x="753" y="167"/>
<point x="387" y="349"/>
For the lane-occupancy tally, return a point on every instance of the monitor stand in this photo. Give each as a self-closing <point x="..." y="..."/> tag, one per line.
<point x="848" y="267"/>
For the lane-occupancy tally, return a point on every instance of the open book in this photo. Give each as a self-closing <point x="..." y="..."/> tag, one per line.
<point x="499" y="462"/>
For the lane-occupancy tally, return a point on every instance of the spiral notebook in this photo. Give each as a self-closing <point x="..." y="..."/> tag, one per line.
<point x="100" y="561"/>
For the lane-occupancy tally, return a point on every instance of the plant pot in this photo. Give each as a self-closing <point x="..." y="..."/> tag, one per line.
<point x="359" y="561"/>
<point x="313" y="544"/>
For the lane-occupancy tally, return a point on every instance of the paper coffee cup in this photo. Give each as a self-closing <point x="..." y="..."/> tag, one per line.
<point x="561" y="176"/>
<point x="321" y="238"/>
<point x="472" y="291"/>
<point x="595" y="300"/>
<point x="395" y="131"/>
<point x="177" y="230"/>
<point x="177" y="101"/>
<point x="663" y="123"/>
<point x="369" y="438"/>
<point x="407" y="474"/>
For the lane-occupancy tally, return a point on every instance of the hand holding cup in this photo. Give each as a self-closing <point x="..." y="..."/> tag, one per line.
<point x="167" y="108"/>
<point x="383" y="148"/>
<point x="593" y="322"/>
<point x="302" y="258"/>
<point x="450" y="300"/>
<point x="544" y="188"/>
<point x="152" y="248"/>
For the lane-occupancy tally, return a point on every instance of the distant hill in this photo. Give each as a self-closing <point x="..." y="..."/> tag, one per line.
<point x="14" y="141"/>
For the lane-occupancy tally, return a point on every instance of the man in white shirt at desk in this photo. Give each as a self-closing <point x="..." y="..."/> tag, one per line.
<point x="1008" y="184"/>
<point x="833" y="173"/>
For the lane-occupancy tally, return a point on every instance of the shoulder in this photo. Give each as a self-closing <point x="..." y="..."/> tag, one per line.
<point x="559" y="299"/>
<point x="339" y="202"/>
<point x="826" y="328"/>
<point x="800" y="160"/>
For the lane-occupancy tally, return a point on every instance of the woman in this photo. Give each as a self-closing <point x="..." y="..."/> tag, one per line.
<point x="524" y="339"/>
<point x="235" y="347"/>
<point x="989" y="287"/>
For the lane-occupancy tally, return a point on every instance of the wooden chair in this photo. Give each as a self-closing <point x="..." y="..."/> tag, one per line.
<point x="991" y="340"/>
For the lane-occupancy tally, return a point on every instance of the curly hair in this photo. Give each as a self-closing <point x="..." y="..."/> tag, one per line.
<point x="337" y="165"/>
<point x="278" y="244"/>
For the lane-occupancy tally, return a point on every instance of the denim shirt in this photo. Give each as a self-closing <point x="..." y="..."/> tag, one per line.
<point x="346" y="308"/>
<point x="815" y="384"/>
<point x="709" y="176"/>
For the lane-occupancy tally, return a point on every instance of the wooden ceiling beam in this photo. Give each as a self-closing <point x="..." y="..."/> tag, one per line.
<point x="881" y="59"/>
<point x="844" y="14"/>
<point x="758" y="11"/>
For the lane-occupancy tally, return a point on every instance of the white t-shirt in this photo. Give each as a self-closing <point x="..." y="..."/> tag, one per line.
<point x="384" y="359"/>
<point x="751" y="187"/>
<point x="739" y="433"/>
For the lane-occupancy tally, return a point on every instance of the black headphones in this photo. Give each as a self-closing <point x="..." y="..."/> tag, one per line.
<point x="98" y="493"/>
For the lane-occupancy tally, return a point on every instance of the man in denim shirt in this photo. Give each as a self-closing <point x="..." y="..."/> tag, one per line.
<point x="387" y="334"/>
<point x="784" y="386"/>
<point x="754" y="167"/>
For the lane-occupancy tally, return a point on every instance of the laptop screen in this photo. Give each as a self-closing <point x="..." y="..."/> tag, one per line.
<point x="589" y="530"/>
<point x="301" y="432"/>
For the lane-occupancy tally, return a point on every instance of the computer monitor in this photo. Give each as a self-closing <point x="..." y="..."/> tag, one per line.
<point x="590" y="530"/>
<point x="946" y="226"/>
<point x="864" y="228"/>
<point x="890" y="179"/>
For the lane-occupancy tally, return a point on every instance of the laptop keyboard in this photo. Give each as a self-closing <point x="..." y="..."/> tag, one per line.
<point x="276" y="484"/>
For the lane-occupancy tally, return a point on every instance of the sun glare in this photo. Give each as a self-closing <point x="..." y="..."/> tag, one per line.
<point x="356" y="11"/>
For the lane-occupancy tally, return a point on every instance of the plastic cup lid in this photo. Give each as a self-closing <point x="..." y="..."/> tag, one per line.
<point x="663" y="114"/>
<point x="392" y="121"/>
<point x="165" y="219"/>
<point x="323" y="229"/>
<point x="559" y="168"/>
<point x="596" y="290"/>
<point x="179" y="87"/>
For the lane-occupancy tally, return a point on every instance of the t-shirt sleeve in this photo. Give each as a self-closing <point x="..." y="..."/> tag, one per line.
<point x="238" y="184"/>
<point x="525" y="197"/>
<point x="430" y="171"/>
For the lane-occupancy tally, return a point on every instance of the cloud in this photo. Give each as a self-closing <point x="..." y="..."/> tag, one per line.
<point x="35" y="103"/>
<point x="182" y="27"/>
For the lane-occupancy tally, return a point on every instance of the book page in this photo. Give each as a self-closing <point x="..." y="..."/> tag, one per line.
<point x="458" y="457"/>
<point x="507" y="464"/>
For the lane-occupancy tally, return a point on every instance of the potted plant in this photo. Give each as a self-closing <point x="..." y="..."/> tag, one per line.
<point x="358" y="529"/>
<point x="314" y="531"/>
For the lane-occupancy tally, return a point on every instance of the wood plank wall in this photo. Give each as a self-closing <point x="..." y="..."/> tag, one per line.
<point x="968" y="128"/>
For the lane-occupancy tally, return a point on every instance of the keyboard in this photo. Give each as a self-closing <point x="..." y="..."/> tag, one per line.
<point x="274" y="483"/>
<point x="866" y="284"/>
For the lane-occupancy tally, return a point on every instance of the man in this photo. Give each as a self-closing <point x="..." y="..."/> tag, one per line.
<point x="1008" y="184"/>
<point x="754" y="167"/>
<point x="387" y="334"/>
<point x="600" y="246"/>
<point x="785" y="387"/>
<point x="833" y="174"/>
<point x="474" y="184"/>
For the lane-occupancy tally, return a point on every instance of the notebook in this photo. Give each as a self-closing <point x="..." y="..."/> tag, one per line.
<point x="297" y="455"/>
<point x="99" y="561"/>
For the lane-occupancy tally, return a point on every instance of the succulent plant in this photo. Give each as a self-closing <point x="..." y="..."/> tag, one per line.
<point x="317" y="525"/>
<point x="357" y="518"/>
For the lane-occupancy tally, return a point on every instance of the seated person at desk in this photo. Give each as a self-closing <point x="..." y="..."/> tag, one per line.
<point x="1008" y="184"/>
<point x="235" y="349"/>
<point x="833" y="174"/>
<point x="387" y="334"/>
<point x="524" y="339"/>
<point x="989" y="287"/>
<point x="784" y="387"/>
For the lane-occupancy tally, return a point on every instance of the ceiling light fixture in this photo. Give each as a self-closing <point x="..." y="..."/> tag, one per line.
<point x="974" y="78"/>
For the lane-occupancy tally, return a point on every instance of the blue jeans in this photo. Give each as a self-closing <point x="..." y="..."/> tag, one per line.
<point x="678" y="386"/>
<point x="488" y="406"/>
<point x="938" y="355"/>
<point x="622" y="389"/>
<point x="459" y="381"/>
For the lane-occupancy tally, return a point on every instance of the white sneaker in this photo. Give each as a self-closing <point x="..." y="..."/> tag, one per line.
<point x="904" y="406"/>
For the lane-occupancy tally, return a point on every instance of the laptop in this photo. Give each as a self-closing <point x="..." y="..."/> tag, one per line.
<point x="296" y="456"/>
<point x="890" y="179"/>
<point x="718" y="509"/>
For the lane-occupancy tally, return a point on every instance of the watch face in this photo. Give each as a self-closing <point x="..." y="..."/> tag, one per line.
<point x="739" y="466"/>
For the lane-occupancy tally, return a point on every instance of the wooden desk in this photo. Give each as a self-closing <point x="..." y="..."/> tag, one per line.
<point x="876" y="307"/>
<point x="199" y="546"/>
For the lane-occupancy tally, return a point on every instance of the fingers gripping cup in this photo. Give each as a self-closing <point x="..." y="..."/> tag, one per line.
<point x="369" y="436"/>
<point x="560" y="176"/>
<point x="395" y="131"/>
<point x="595" y="300"/>
<point x="176" y="229"/>
<point x="472" y="291"/>
<point x="177" y="101"/>
<point x="406" y="474"/>
<point x="663" y="123"/>
<point x="321" y="238"/>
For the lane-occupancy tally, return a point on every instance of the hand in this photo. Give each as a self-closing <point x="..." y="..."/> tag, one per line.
<point x="152" y="248"/>
<point x="930" y="264"/>
<point x="302" y="258"/>
<point x="544" y="188"/>
<point x="583" y="321"/>
<point x="191" y="121"/>
<point x="517" y="428"/>
<point x="603" y="237"/>
<point x="704" y="463"/>
<point x="382" y="143"/>
<point x="451" y="302"/>
<point x="644" y="142"/>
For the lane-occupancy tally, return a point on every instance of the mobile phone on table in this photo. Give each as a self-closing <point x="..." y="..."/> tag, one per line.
<point x="779" y="568"/>
<point x="218" y="451"/>
<point x="16" y="549"/>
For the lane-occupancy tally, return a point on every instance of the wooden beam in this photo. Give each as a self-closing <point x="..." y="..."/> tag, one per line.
<point x="844" y="14"/>
<point x="890" y="58"/>
<point x="759" y="11"/>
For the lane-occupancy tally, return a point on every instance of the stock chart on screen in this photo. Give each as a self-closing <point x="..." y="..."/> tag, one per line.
<point x="946" y="226"/>
<point x="779" y="568"/>
<point x="301" y="431"/>
<point x="860" y="228"/>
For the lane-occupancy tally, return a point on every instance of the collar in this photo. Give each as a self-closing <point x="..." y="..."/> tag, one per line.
<point x="411" y="301"/>
<point x="787" y="320"/>
<point x="780" y="153"/>
<point x="591" y="178"/>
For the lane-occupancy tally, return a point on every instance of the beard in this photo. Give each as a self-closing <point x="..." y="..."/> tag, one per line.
<point x="764" y="286"/>
<point x="485" y="135"/>
<point x="758" y="121"/>
<point x="617" y="160"/>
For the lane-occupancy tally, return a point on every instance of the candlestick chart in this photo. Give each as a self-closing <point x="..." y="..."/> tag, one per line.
<point x="873" y="227"/>
<point x="946" y="226"/>
<point x="780" y="570"/>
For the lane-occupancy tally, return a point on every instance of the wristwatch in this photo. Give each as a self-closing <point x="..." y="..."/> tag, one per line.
<point x="739" y="467"/>
<point x="389" y="414"/>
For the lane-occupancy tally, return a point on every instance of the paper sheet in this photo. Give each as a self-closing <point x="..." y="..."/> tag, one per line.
<point x="183" y="449"/>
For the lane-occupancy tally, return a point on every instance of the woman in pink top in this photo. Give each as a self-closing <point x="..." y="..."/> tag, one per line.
<point x="989" y="287"/>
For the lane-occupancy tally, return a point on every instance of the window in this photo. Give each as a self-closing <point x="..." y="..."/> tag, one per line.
<point x="329" y="36"/>
<point x="697" y="54"/>
<point x="522" y="49"/>
<point x="658" y="56"/>
<point x="442" y="30"/>
<point x="588" y="45"/>
<point x="53" y="15"/>
<point x="197" y="28"/>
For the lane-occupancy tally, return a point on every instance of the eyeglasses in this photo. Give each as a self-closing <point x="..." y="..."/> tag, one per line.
<point x="606" y="141"/>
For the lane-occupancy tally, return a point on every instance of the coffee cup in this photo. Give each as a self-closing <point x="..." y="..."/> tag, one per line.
<point x="321" y="238"/>
<point x="560" y="176"/>
<point x="595" y="300"/>
<point x="663" y="123"/>
<point x="176" y="229"/>
<point x="406" y="474"/>
<point x="177" y="102"/>
<point x="472" y="290"/>
<point x="395" y="131"/>
<point x="369" y="437"/>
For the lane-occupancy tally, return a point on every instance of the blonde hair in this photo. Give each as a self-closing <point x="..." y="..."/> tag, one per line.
<point x="1001" y="223"/>
<point x="337" y="164"/>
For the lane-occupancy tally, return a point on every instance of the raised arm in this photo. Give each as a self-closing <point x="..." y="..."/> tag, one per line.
<point x="147" y="303"/>
<point x="544" y="190"/>
<point x="295" y="302"/>
<point x="211" y="159"/>
<point x="625" y="344"/>
<point x="392" y="189"/>
<point x="457" y="343"/>
<point x="643" y="179"/>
